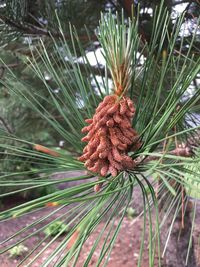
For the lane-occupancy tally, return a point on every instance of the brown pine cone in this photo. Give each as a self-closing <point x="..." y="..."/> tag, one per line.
<point x="110" y="134"/>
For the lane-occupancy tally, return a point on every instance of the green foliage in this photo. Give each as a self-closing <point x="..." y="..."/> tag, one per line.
<point x="192" y="178"/>
<point x="57" y="227"/>
<point x="23" y="17"/>
<point x="131" y="213"/>
<point x="18" y="251"/>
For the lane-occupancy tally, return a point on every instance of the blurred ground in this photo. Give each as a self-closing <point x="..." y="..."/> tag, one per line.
<point x="125" y="251"/>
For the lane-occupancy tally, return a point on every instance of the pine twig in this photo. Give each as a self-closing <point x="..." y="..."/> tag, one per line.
<point x="34" y="30"/>
<point x="5" y="125"/>
<point x="183" y="151"/>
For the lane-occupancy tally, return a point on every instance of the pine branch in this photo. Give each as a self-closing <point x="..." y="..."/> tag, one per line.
<point x="5" y="125"/>
<point x="154" y="120"/>
<point x="3" y="68"/>
<point x="180" y="151"/>
<point x="34" y="30"/>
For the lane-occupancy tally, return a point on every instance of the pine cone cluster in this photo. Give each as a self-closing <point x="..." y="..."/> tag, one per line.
<point x="110" y="137"/>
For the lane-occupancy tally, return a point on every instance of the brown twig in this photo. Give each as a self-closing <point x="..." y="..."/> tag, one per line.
<point x="46" y="150"/>
<point x="3" y="68"/>
<point x="183" y="151"/>
<point x="34" y="30"/>
<point x="5" y="125"/>
<point x="13" y="65"/>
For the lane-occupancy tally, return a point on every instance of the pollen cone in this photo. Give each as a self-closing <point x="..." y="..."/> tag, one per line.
<point x="110" y="136"/>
